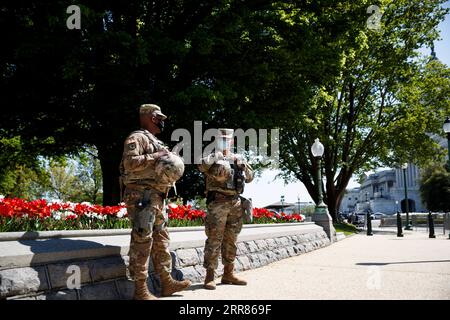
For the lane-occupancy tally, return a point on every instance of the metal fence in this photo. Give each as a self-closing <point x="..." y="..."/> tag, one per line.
<point x="420" y="221"/>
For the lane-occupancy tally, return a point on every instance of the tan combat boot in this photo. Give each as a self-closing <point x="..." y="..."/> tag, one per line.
<point x="229" y="278"/>
<point x="141" y="291"/>
<point x="209" y="284"/>
<point x="169" y="286"/>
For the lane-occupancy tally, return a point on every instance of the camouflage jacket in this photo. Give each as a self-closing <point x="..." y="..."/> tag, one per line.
<point x="223" y="187"/>
<point x="138" y="160"/>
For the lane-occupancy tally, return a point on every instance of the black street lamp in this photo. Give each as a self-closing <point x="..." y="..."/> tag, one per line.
<point x="282" y="203"/>
<point x="321" y="215"/>
<point x="408" y="224"/>
<point x="446" y="128"/>
<point x="317" y="150"/>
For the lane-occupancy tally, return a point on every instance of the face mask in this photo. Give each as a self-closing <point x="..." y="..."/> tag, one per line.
<point x="222" y="145"/>
<point x="161" y="125"/>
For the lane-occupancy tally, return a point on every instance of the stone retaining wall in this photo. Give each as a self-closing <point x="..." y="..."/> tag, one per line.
<point x="105" y="278"/>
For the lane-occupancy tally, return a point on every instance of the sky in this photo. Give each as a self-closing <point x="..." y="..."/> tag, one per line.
<point x="266" y="189"/>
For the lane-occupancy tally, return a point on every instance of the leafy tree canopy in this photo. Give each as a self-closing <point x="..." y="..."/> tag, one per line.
<point x="435" y="188"/>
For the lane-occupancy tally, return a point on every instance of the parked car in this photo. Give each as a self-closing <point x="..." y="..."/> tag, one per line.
<point x="344" y="215"/>
<point x="378" y="215"/>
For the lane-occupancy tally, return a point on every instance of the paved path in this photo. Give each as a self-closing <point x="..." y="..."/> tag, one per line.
<point x="359" y="267"/>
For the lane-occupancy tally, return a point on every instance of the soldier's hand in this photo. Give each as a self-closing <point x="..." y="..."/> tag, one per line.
<point x="240" y="160"/>
<point x="161" y="153"/>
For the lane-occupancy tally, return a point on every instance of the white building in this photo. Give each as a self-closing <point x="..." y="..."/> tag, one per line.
<point x="384" y="191"/>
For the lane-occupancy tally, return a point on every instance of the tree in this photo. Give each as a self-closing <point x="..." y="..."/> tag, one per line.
<point x="88" y="174"/>
<point x="76" y="178"/>
<point x="311" y="68"/>
<point x="71" y="178"/>
<point x="435" y="188"/>
<point x="380" y="107"/>
<point x="22" y="173"/>
<point x="62" y="179"/>
<point x="200" y="61"/>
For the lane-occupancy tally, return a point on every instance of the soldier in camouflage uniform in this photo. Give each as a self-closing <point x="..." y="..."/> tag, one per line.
<point x="225" y="180"/>
<point x="144" y="196"/>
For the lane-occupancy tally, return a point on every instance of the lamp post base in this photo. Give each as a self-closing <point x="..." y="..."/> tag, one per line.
<point x="322" y="218"/>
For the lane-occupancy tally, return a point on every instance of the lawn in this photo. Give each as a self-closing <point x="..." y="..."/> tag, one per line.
<point x="346" y="228"/>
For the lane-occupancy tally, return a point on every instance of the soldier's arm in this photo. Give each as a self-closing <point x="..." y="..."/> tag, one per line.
<point x="248" y="173"/>
<point x="247" y="169"/>
<point x="208" y="161"/>
<point x="242" y="162"/>
<point x="203" y="167"/>
<point x="134" y="156"/>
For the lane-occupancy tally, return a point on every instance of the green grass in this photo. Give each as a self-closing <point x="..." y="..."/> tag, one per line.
<point x="346" y="228"/>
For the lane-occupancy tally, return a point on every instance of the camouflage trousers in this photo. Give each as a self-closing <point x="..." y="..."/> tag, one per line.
<point x="222" y="226"/>
<point x="149" y="235"/>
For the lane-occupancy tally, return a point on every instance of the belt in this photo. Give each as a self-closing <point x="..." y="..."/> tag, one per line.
<point x="223" y="196"/>
<point x="144" y="188"/>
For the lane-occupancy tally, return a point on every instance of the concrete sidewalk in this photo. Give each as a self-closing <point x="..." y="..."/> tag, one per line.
<point x="359" y="267"/>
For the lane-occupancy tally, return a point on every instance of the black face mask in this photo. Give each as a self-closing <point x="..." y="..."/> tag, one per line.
<point x="161" y="125"/>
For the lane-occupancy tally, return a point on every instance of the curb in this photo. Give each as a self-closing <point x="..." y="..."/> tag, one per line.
<point x="33" y="235"/>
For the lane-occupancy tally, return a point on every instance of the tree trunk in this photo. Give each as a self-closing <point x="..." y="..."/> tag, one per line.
<point x="332" y="205"/>
<point x="334" y="198"/>
<point x="110" y="161"/>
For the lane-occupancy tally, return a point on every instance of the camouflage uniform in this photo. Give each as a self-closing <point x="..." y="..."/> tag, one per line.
<point x="224" y="219"/>
<point x="145" y="198"/>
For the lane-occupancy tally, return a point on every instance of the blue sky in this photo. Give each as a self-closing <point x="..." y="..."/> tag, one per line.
<point x="266" y="189"/>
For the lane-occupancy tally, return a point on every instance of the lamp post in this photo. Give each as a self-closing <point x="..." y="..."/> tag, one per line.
<point x="321" y="215"/>
<point x="299" y="208"/>
<point x="408" y="225"/>
<point x="317" y="150"/>
<point x="282" y="203"/>
<point x="446" y="128"/>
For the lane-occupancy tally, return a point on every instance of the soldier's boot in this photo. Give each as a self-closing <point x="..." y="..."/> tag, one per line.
<point x="209" y="284"/>
<point x="141" y="291"/>
<point x="228" y="276"/>
<point x="169" y="286"/>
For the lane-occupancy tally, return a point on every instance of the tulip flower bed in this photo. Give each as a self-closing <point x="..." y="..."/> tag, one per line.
<point x="42" y="215"/>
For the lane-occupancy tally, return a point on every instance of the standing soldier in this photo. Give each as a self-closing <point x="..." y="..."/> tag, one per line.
<point x="226" y="173"/>
<point x="148" y="170"/>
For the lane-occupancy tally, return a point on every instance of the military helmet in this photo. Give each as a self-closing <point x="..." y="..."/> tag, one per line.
<point x="220" y="171"/>
<point x="169" y="168"/>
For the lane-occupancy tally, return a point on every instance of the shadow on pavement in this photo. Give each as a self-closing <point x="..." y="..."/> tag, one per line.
<point x="402" y="262"/>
